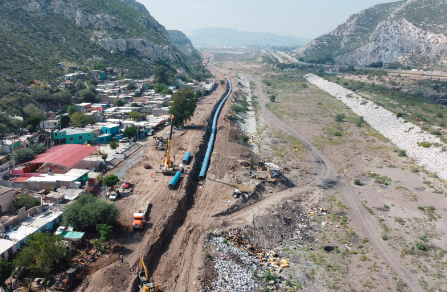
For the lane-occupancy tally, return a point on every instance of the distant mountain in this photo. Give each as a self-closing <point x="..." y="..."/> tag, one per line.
<point x="220" y="37"/>
<point x="412" y="33"/>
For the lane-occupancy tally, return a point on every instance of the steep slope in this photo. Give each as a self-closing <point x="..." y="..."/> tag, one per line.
<point x="37" y="34"/>
<point x="219" y="37"/>
<point x="184" y="44"/>
<point x="411" y="32"/>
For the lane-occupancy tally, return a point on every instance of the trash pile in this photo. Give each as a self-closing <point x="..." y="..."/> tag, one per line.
<point x="241" y="265"/>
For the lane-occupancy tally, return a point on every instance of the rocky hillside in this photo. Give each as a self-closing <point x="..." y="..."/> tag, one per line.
<point x="411" y="33"/>
<point x="35" y="35"/>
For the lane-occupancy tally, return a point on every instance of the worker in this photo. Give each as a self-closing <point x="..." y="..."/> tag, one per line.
<point x="121" y="257"/>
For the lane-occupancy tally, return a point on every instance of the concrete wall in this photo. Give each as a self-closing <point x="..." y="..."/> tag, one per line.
<point x="6" y="200"/>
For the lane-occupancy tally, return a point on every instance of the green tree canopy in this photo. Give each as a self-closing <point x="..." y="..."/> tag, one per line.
<point x="88" y="211"/>
<point x="134" y="115"/>
<point x="38" y="148"/>
<point x="111" y="180"/>
<point x="105" y="231"/>
<point x="130" y="131"/>
<point x="119" y="102"/>
<point x="80" y="119"/>
<point x="41" y="95"/>
<point x="134" y="104"/>
<point x="64" y="97"/>
<point x="33" y="121"/>
<point x="32" y="110"/>
<point x="99" y="66"/>
<point x="5" y="271"/>
<point x="24" y="200"/>
<point x="222" y="82"/>
<point x="184" y="103"/>
<point x="71" y="110"/>
<point x="199" y="93"/>
<point x="113" y="145"/>
<point x="86" y="95"/>
<point x="64" y="121"/>
<point x="166" y="91"/>
<point x="159" y="87"/>
<point x="44" y="252"/>
<point x="23" y="155"/>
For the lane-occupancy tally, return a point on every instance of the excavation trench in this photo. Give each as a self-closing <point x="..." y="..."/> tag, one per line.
<point x="163" y="234"/>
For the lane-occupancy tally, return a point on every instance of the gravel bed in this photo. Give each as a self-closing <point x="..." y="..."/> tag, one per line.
<point x="404" y="135"/>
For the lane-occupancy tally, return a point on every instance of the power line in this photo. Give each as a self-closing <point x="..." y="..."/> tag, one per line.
<point x="284" y="21"/>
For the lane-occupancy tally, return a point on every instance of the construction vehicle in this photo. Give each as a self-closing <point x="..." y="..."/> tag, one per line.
<point x="138" y="220"/>
<point x="145" y="284"/>
<point x="67" y="281"/>
<point x="168" y="168"/>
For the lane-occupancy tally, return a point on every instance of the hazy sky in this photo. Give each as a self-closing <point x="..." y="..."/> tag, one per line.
<point x="304" y="18"/>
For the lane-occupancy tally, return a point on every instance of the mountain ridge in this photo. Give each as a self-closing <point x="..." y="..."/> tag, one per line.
<point x="219" y="37"/>
<point x="412" y="33"/>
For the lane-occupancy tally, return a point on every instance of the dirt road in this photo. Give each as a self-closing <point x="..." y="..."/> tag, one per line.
<point x="327" y="175"/>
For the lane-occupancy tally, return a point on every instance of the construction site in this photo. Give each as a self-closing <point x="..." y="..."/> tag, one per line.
<point x="211" y="210"/>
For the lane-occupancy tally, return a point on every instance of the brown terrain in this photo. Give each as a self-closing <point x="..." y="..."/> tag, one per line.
<point x="177" y="243"/>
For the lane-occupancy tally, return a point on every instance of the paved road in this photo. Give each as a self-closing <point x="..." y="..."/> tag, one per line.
<point x="324" y="178"/>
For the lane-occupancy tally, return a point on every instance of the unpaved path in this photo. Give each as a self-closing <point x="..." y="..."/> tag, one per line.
<point x="361" y="215"/>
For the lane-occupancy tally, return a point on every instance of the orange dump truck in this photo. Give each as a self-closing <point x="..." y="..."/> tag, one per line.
<point x="138" y="220"/>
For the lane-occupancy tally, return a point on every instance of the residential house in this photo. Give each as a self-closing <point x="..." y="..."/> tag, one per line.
<point x="111" y="129"/>
<point x="81" y="107"/>
<point x="40" y="85"/>
<point x="68" y="84"/>
<point x="75" y="76"/>
<point x="49" y="124"/>
<point x="73" y="136"/>
<point x="98" y="74"/>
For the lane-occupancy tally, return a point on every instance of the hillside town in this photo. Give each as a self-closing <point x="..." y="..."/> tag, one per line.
<point x="76" y="158"/>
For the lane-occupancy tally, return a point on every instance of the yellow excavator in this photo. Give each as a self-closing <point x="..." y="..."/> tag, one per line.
<point x="168" y="168"/>
<point x="145" y="284"/>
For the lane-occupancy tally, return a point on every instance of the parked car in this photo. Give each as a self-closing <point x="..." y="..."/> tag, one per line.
<point x="125" y="140"/>
<point x="126" y="185"/>
<point x="150" y="133"/>
<point x="192" y="125"/>
<point x="169" y="132"/>
<point x="113" y="196"/>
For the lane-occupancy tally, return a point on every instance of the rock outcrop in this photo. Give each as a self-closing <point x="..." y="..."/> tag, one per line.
<point x="73" y="11"/>
<point x="411" y="32"/>
<point x="144" y="47"/>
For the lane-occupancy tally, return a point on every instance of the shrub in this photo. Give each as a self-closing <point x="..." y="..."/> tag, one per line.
<point x="338" y="133"/>
<point x="420" y="246"/>
<point x="245" y="139"/>
<point x="268" y="276"/>
<point x="359" y="121"/>
<point x="424" y="144"/>
<point x="385" y="237"/>
<point x="339" y="117"/>
<point x="402" y="153"/>
<point x="399" y="115"/>
<point x="363" y="258"/>
<point x="357" y="182"/>
<point x="437" y="133"/>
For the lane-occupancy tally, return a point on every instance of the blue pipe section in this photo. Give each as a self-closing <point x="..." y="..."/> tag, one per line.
<point x="206" y="160"/>
<point x="186" y="158"/>
<point x="175" y="180"/>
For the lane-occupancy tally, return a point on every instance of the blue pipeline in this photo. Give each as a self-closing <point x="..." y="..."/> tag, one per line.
<point x="186" y="158"/>
<point x="206" y="160"/>
<point x="175" y="180"/>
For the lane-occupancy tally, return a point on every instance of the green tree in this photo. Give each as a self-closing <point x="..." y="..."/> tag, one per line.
<point x="88" y="211"/>
<point x="24" y="200"/>
<point x="113" y="145"/>
<point x="80" y="119"/>
<point x="41" y="95"/>
<point x="131" y="86"/>
<point x="119" y="102"/>
<point x="44" y="252"/>
<point x="80" y="85"/>
<point x="134" y="115"/>
<point x="33" y="121"/>
<point x="32" y="110"/>
<point x="161" y="75"/>
<point x="111" y="180"/>
<point x="23" y="155"/>
<point x="64" y="121"/>
<point x="134" y="104"/>
<point x="64" y="97"/>
<point x="184" y="103"/>
<point x="199" y="94"/>
<point x="105" y="231"/>
<point x="131" y="131"/>
<point x="166" y="91"/>
<point x="272" y="98"/>
<point x="104" y="156"/>
<point x="71" y="110"/>
<point x="222" y="82"/>
<point x="339" y="117"/>
<point x="99" y="66"/>
<point x="38" y="148"/>
<point x="159" y="87"/>
<point x="5" y="271"/>
<point x="86" y="95"/>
